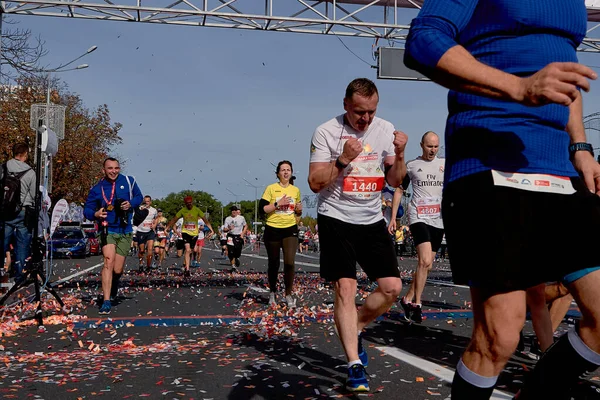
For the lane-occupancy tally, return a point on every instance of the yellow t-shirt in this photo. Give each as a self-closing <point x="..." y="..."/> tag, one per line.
<point x="283" y="216"/>
<point x="190" y="220"/>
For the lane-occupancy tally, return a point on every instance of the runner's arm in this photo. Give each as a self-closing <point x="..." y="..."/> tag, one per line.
<point x="212" y="232"/>
<point x="396" y="200"/>
<point x="395" y="169"/>
<point x="172" y="222"/>
<point x="322" y="174"/>
<point x="582" y="160"/>
<point x="432" y="49"/>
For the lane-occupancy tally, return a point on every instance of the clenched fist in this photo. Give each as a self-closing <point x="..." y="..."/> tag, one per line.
<point x="352" y="148"/>
<point x="400" y="140"/>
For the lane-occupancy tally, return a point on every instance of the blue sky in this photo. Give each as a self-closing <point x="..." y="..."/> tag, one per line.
<point x="223" y="104"/>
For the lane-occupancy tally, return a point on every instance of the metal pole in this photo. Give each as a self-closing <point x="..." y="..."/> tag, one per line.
<point x="1" y="18"/>
<point x="255" y="210"/>
<point x="47" y="119"/>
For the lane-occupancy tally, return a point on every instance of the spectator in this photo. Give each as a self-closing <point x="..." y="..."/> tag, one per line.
<point x="18" y="228"/>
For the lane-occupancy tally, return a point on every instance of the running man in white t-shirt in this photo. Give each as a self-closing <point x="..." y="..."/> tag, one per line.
<point x="351" y="157"/>
<point x="426" y="173"/>
<point x="145" y="234"/>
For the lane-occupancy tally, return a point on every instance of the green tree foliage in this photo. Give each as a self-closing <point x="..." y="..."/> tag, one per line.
<point x="90" y="135"/>
<point x="309" y="222"/>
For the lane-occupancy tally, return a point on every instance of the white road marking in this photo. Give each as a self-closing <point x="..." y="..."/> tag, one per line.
<point x="83" y="271"/>
<point x="434" y="369"/>
<point x="312" y="265"/>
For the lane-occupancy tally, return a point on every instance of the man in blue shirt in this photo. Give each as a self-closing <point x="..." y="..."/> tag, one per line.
<point x="516" y="153"/>
<point x="110" y="203"/>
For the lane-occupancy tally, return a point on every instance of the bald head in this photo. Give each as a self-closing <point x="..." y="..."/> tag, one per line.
<point x="430" y="143"/>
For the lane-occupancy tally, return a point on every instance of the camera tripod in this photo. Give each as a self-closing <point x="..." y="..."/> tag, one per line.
<point x="35" y="270"/>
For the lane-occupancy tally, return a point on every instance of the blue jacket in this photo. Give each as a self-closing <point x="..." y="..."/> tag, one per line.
<point x="95" y="201"/>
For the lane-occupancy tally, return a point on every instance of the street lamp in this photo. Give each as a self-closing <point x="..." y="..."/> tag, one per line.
<point x="62" y="68"/>
<point x="255" y="203"/>
<point x="234" y="195"/>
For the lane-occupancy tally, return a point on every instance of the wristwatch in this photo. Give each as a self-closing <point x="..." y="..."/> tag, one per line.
<point x="340" y="164"/>
<point x="580" y="146"/>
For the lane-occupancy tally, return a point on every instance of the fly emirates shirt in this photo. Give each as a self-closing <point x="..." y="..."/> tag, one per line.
<point x="427" y="178"/>
<point x="355" y="197"/>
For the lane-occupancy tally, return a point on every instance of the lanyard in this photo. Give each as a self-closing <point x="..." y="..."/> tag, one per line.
<point x="108" y="202"/>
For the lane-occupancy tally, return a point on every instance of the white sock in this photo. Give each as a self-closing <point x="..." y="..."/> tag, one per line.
<point x="351" y="363"/>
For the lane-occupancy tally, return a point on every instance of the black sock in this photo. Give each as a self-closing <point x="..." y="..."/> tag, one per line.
<point x="559" y="369"/>
<point x="114" y="287"/>
<point x="465" y="384"/>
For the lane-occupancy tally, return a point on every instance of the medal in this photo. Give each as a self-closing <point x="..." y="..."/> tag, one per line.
<point x="108" y="202"/>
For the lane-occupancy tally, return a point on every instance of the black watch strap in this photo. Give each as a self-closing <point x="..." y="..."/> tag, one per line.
<point x="340" y="164"/>
<point x="580" y="146"/>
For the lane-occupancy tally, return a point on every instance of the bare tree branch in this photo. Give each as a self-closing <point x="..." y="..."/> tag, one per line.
<point x="21" y="53"/>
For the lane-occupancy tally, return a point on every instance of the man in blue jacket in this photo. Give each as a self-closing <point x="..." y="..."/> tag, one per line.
<point x="111" y="202"/>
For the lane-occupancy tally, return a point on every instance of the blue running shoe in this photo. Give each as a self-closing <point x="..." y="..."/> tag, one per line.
<point x="357" y="379"/>
<point x="105" y="308"/>
<point x="362" y="353"/>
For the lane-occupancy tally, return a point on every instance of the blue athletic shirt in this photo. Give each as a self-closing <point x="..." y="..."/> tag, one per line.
<point x="95" y="201"/>
<point x="519" y="37"/>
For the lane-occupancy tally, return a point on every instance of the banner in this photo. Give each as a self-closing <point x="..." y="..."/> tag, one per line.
<point x="60" y="210"/>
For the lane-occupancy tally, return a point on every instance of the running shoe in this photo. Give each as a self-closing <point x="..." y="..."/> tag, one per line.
<point x="186" y="273"/>
<point x="237" y="262"/>
<point x="357" y="379"/>
<point x="362" y="353"/>
<point x="105" y="308"/>
<point x="406" y="308"/>
<point x="291" y="301"/>
<point x="416" y="313"/>
<point x="272" y="299"/>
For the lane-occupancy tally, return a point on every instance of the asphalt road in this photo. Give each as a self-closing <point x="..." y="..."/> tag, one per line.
<point x="214" y="337"/>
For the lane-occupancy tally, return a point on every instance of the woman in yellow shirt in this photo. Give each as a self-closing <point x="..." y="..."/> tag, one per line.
<point x="281" y="203"/>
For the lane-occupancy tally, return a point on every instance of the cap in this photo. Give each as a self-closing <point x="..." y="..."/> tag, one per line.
<point x="187" y="199"/>
<point x="233" y="208"/>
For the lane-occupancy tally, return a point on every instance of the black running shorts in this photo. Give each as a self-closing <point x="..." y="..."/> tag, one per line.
<point x="143" y="237"/>
<point x="506" y="239"/>
<point x="344" y="244"/>
<point x="423" y="233"/>
<point x="191" y="240"/>
<point x="179" y="244"/>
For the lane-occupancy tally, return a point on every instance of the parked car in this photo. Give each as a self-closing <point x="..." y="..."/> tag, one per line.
<point x="94" y="242"/>
<point x="69" y="241"/>
<point x="91" y="231"/>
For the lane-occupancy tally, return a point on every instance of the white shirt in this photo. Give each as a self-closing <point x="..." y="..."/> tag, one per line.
<point x="355" y="196"/>
<point x="200" y="229"/>
<point x="178" y="226"/>
<point x="146" y="225"/>
<point x="427" y="179"/>
<point x="238" y="223"/>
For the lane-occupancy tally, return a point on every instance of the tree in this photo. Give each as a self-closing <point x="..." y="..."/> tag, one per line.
<point x="89" y="136"/>
<point x="21" y="53"/>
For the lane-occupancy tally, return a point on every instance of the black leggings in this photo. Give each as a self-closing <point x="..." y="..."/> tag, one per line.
<point x="286" y="239"/>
